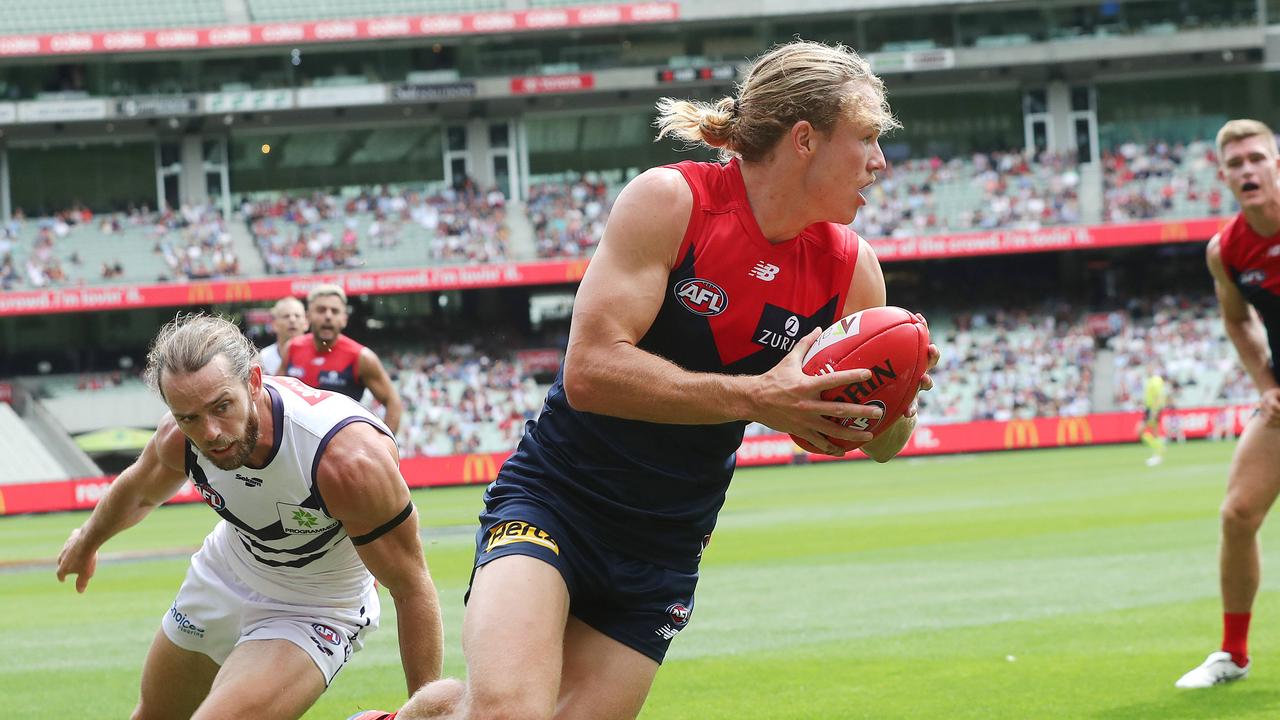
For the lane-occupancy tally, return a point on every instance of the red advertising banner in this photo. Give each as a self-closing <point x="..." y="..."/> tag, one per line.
<point x="775" y="449"/>
<point x="543" y="84"/>
<point x="1049" y="239"/>
<point x="376" y="282"/>
<point x="327" y="31"/>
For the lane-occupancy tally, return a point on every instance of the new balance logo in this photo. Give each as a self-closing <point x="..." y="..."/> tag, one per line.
<point x="666" y="632"/>
<point x="249" y="482"/>
<point x="764" y="271"/>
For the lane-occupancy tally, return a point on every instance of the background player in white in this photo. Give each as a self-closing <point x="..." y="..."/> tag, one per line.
<point x="1249" y="164"/>
<point x="314" y="509"/>
<point x="288" y="320"/>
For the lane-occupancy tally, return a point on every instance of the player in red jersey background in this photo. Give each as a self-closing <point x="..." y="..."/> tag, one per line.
<point x="708" y="287"/>
<point x="326" y="359"/>
<point x="1244" y="260"/>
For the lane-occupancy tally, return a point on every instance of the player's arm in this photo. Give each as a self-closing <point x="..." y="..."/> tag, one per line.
<point x="153" y="478"/>
<point x="867" y="290"/>
<point x="359" y="479"/>
<point x="621" y="294"/>
<point x="375" y="377"/>
<point x="1246" y="331"/>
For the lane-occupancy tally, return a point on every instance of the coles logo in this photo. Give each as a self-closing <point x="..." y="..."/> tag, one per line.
<point x="211" y="497"/>
<point x="326" y="633"/>
<point x="679" y="614"/>
<point x="701" y="297"/>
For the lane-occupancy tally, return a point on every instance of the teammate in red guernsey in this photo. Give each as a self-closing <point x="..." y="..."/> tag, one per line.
<point x="1244" y="260"/>
<point x="708" y="287"/>
<point x="326" y="359"/>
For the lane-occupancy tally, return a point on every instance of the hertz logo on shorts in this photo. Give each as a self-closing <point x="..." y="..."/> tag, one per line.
<point x="515" y="531"/>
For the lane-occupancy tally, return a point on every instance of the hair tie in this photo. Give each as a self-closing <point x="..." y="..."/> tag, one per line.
<point x="735" y="107"/>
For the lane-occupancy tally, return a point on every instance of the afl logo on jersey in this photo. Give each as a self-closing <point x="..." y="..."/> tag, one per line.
<point x="701" y="297"/>
<point x="211" y="497"/>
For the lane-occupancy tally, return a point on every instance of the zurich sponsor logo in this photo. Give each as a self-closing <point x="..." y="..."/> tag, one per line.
<point x="701" y="297"/>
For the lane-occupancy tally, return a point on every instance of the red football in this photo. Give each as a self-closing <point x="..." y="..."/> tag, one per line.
<point x="890" y="342"/>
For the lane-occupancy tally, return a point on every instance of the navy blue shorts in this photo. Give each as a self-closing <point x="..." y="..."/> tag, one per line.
<point x="633" y="601"/>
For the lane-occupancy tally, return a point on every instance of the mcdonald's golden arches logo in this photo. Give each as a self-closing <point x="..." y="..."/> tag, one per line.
<point x="575" y="269"/>
<point x="239" y="291"/>
<point x="479" y="468"/>
<point x="200" y="293"/>
<point x="1074" y="431"/>
<point x="1173" y="232"/>
<point x="1021" y="434"/>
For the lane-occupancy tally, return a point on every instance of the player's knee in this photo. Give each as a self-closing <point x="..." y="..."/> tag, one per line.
<point x="1239" y="517"/>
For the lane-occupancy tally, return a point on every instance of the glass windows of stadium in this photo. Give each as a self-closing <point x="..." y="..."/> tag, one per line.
<point x="1181" y="109"/>
<point x="334" y="158"/>
<point x="620" y="141"/>
<point x="101" y="177"/>
<point x="955" y="123"/>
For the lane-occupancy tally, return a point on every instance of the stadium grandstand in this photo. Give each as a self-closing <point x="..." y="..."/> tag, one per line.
<point x="453" y="163"/>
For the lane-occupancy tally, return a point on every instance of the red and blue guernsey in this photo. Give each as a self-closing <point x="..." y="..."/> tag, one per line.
<point x="336" y="370"/>
<point x="1253" y="262"/>
<point x="735" y="304"/>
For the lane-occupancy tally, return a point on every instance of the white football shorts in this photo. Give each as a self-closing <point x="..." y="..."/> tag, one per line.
<point x="214" y="612"/>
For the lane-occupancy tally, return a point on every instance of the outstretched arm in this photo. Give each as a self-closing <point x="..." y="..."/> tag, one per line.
<point x="154" y="477"/>
<point x="360" y="482"/>
<point x="605" y="372"/>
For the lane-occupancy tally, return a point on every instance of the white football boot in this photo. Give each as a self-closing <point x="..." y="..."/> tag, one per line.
<point x="1217" y="669"/>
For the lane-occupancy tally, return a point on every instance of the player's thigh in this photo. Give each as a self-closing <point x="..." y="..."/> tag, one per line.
<point x="174" y="681"/>
<point x="265" y="680"/>
<point x="513" y="637"/>
<point x="602" y="678"/>
<point x="1254" y="480"/>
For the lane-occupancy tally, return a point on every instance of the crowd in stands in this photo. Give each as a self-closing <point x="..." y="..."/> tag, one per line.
<point x="320" y="231"/>
<point x="983" y="191"/>
<point x="459" y="399"/>
<point x="54" y="251"/>
<point x="568" y="218"/>
<point x="1141" y="182"/>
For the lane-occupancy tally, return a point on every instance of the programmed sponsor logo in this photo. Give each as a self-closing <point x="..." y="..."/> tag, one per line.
<point x="298" y="520"/>
<point x="184" y="623"/>
<point x="701" y="297"/>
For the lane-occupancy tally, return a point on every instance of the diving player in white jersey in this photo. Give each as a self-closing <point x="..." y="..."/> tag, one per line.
<point x="314" y="509"/>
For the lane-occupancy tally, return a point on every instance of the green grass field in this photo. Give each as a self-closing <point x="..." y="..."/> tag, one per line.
<point x="1042" y="584"/>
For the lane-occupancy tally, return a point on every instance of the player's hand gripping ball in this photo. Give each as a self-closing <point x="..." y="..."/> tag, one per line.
<point x="890" y="342"/>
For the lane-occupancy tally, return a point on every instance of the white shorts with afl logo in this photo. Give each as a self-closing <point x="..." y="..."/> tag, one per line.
<point x="214" y="612"/>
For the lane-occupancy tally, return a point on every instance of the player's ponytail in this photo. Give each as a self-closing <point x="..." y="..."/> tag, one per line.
<point x="696" y="122"/>
<point x="800" y="80"/>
